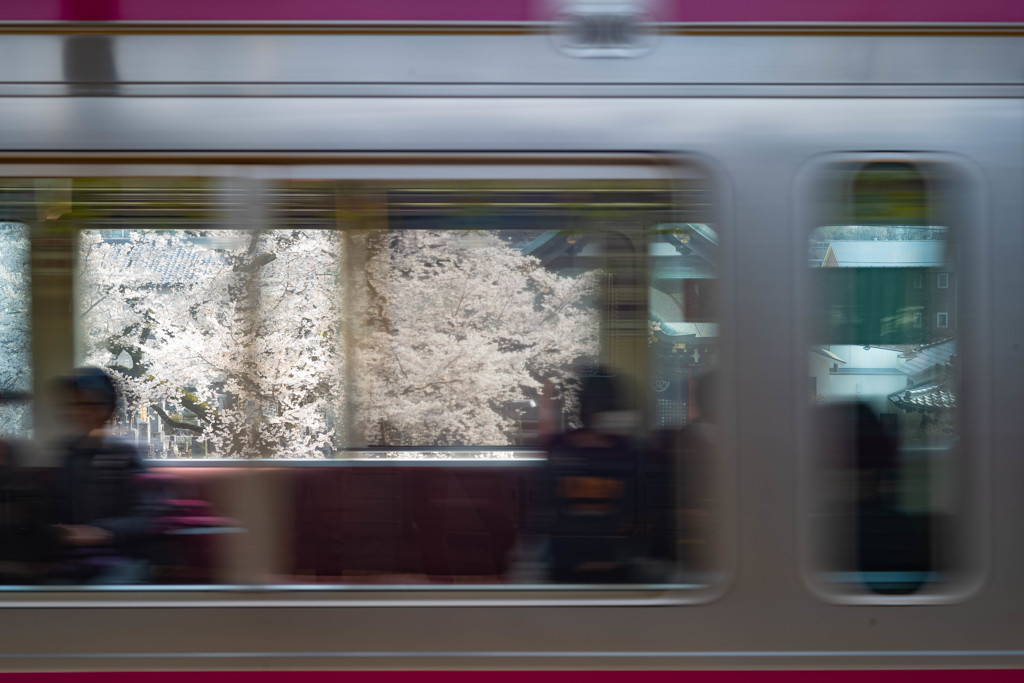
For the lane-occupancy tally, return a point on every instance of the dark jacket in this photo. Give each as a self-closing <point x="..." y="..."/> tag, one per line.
<point x="593" y="497"/>
<point x="98" y="485"/>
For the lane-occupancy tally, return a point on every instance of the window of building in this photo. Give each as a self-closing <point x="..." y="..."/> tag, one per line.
<point x="942" y="320"/>
<point x="942" y="280"/>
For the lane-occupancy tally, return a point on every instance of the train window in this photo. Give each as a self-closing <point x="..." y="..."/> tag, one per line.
<point x="488" y="382"/>
<point x="885" y="425"/>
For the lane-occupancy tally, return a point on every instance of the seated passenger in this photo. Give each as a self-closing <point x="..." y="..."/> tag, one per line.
<point x="592" y="482"/>
<point x="100" y="521"/>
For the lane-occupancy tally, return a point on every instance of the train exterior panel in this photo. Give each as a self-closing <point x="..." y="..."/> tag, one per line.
<point x="755" y="112"/>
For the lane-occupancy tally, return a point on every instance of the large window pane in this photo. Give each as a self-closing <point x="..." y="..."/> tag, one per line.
<point x="488" y="382"/>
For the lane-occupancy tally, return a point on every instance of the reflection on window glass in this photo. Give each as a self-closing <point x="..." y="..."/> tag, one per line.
<point x="15" y="331"/>
<point x="884" y="381"/>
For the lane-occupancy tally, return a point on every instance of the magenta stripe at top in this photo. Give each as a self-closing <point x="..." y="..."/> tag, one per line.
<point x="740" y="676"/>
<point x="788" y="11"/>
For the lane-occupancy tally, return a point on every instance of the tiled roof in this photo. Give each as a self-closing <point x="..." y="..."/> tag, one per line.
<point x="889" y="254"/>
<point x="870" y="371"/>
<point x="165" y="266"/>
<point x="934" y="396"/>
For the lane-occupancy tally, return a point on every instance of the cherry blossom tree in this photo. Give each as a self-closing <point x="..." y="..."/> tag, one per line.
<point x="229" y="336"/>
<point x="460" y="326"/>
<point x="15" y="322"/>
<point x="289" y="343"/>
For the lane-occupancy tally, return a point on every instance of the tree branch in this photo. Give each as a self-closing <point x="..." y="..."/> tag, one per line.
<point x="176" y="424"/>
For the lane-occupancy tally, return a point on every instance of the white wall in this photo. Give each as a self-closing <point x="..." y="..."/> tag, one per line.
<point x="818" y="366"/>
<point x="857" y="357"/>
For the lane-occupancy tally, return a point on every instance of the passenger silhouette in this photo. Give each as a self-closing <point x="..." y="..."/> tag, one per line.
<point x="891" y="548"/>
<point x="592" y="480"/>
<point x="101" y="521"/>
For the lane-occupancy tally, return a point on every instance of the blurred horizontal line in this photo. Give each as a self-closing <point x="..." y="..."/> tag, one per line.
<point x="474" y="27"/>
<point x="497" y="90"/>
<point x="463" y="462"/>
<point x="521" y="655"/>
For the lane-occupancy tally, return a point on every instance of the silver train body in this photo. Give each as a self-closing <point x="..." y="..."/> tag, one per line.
<point x="759" y="111"/>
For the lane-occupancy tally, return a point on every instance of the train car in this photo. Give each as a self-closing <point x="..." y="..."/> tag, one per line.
<point x="533" y="336"/>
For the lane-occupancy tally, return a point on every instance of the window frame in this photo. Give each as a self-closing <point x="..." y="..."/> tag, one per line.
<point x="964" y="212"/>
<point x="252" y="172"/>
